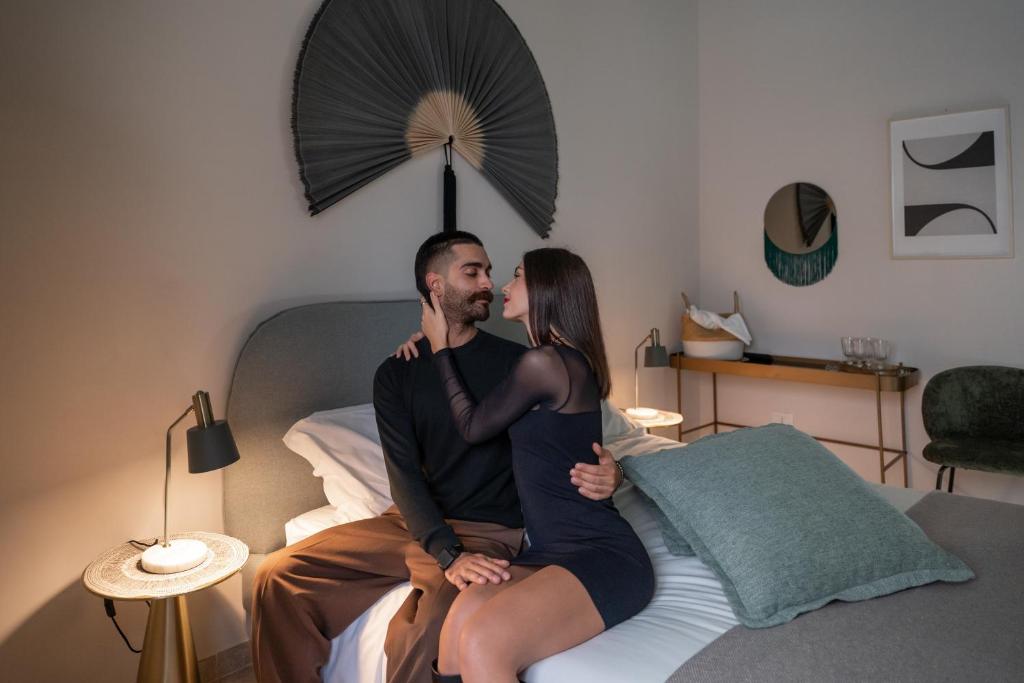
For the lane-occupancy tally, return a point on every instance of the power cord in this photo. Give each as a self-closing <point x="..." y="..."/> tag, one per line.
<point x="108" y="604"/>
<point x="142" y="545"/>
<point x="112" y="613"/>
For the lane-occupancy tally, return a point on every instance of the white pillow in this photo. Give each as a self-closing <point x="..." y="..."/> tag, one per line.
<point x="343" y="446"/>
<point x="615" y="424"/>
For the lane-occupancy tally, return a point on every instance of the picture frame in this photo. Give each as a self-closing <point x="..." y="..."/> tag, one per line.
<point x="951" y="187"/>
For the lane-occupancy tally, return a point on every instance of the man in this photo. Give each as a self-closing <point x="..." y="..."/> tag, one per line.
<point x="456" y="518"/>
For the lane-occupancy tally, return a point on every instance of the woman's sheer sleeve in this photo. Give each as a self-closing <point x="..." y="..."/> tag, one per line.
<point x="539" y="376"/>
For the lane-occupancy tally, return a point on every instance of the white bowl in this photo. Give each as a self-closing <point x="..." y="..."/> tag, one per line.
<point x="718" y="350"/>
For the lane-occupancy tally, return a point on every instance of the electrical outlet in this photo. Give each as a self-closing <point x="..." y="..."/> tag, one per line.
<point x="782" y="418"/>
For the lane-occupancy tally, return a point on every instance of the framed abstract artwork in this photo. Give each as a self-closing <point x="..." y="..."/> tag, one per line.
<point x="951" y="192"/>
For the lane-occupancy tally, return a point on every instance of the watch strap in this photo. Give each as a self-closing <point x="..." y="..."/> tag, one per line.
<point x="448" y="555"/>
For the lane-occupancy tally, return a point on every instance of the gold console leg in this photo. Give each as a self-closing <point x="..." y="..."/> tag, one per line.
<point x="878" y="416"/>
<point x="679" y="401"/>
<point x="714" y="398"/>
<point x="168" y="654"/>
<point x="903" y="440"/>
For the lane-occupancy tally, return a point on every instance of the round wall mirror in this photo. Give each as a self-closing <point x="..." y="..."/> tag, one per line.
<point x="801" y="241"/>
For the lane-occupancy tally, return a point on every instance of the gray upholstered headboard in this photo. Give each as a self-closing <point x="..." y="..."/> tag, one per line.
<point x="302" y="360"/>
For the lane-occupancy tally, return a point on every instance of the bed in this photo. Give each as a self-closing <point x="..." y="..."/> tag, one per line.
<point x="323" y="356"/>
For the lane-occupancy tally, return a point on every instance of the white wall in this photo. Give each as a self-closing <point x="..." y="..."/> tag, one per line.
<point x="152" y="215"/>
<point x="802" y="90"/>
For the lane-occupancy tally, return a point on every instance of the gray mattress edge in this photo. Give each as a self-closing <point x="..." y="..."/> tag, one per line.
<point x="937" y="632"/>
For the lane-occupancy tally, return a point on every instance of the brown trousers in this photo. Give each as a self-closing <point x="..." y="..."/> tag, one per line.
<point x="307" y="593"/>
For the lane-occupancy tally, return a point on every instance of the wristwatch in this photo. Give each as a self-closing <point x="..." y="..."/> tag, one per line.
<point x="448" y="555"/>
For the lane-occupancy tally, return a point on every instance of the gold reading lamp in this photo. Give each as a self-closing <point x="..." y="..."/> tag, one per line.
<point x="210" y="447"/>
<point x="655" y="356"/>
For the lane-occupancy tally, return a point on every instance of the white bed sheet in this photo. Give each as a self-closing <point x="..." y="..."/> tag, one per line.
<point x="309" y="523"/>
<point x="688" y="610"/>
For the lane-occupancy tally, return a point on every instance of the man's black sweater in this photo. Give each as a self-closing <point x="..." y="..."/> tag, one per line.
<point x="433" y="473"/>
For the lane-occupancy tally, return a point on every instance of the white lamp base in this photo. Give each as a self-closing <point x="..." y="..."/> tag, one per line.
<point x="177" y="556"/>
<point x="642" y="413"/>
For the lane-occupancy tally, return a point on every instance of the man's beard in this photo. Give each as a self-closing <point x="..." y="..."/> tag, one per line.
<point x="465" y="308"/>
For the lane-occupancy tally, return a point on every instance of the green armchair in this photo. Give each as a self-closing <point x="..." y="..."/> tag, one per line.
<point x="974" y="417"/>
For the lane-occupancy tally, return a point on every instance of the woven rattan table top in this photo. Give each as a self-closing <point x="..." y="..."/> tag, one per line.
<point x="118" y="573"/>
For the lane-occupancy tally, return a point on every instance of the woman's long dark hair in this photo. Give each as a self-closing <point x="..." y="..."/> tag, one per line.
<point x="563" y="307"/>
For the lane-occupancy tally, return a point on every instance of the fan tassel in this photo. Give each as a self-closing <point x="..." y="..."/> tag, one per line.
<point x="449" y="188"/>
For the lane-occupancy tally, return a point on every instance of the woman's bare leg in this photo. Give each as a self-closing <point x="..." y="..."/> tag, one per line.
<point x="466" y="604"/>
<point x="545" y="613"/>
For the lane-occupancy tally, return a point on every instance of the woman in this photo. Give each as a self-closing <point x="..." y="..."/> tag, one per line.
<point x="585" y="569"/>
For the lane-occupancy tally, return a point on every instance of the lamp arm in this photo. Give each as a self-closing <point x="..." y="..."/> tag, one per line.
<point x="636" y="370"/>
<point x="167" y="470"/>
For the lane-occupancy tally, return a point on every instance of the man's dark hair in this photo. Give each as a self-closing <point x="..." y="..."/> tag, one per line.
<point x="438" y="246"/>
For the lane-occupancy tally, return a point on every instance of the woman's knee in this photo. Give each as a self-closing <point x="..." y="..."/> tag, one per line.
<point x="465" y="606"/>
<point x="485" y="643"/>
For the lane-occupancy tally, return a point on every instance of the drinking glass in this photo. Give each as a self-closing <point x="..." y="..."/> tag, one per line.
<point x="880" y="349"/>
<point x="847" y="349"/>
<point x="860" y="351"/>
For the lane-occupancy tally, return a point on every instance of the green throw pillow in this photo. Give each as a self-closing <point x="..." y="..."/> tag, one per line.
<point x="674" y="541"/>
<point x="785" y="525"/>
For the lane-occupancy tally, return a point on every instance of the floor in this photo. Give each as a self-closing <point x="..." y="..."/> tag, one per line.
<point x="246" y="675"/>
<point x="233" y="665"/>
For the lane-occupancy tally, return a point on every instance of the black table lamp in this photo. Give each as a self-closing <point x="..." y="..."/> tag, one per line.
<point x="655" y="356"/>
<point x="210" y="447"/>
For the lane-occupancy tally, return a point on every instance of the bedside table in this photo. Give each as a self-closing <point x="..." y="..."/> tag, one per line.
<point x="168" y="653"/>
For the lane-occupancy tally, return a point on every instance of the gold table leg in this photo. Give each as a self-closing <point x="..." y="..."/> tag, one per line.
<point x="169" y="653"/>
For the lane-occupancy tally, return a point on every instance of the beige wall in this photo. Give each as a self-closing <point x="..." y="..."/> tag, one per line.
<point x="152" y="215"/>
<point x="803" y="90"/>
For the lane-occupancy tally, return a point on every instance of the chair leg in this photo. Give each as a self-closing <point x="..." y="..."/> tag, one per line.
<point x="938" y="479"/>
<point x="952" y="471"/>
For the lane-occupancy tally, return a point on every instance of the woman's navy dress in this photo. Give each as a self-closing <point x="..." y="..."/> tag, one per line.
<point x="551" y="407"/>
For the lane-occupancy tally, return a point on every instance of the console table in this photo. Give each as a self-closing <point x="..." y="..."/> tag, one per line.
<point x="810" y="371"/>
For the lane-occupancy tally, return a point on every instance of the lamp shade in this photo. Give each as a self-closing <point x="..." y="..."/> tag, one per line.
<point x="655" y="356"/>
<point x="211" y="447"/>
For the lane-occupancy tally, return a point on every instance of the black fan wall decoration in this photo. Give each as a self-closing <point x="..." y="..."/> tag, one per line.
<point x="381" y="81"/>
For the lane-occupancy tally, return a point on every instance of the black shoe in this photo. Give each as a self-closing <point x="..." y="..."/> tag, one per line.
<point x="440" y="678"/>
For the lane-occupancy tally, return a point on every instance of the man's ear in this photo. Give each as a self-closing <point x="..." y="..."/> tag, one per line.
<point x="435" y="283"/>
